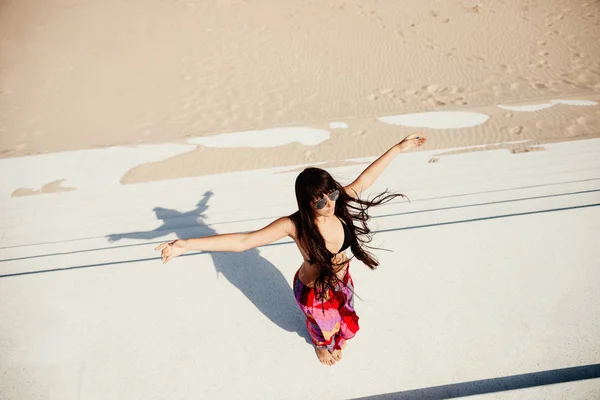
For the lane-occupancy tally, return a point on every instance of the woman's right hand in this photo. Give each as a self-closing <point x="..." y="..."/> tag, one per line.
<point x="171" y="250"/>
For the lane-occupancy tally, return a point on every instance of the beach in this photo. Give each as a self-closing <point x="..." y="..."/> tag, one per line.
<point x="125" y="124"/>
<point x="78" y="75"/>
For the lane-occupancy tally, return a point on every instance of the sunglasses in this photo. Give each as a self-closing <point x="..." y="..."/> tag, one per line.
<point x="333" y="196"/>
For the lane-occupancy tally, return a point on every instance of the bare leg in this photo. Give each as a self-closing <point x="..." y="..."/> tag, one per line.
<point x="325" y="356"/>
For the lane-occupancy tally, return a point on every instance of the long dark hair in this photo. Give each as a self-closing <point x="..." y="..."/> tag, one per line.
<point x="315" y="183"/>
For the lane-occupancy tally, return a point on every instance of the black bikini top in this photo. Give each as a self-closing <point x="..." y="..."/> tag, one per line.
<point x="345" y="244"/>
<point x="347" y="239"/>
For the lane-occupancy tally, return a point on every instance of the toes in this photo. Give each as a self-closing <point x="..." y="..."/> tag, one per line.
<point x="329" y="362"/>
<point x="325" y="357"/>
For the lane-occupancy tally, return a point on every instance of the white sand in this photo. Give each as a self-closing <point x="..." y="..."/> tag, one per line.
<point x="78" y="75"/>
<point x="543" y="106"/>
<point x="438" y="119"/>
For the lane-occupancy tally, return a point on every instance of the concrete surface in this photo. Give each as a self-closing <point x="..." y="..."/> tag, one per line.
<point x="490" y="290"/>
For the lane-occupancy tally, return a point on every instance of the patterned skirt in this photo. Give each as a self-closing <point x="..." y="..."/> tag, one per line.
<point x="333" y="321"/>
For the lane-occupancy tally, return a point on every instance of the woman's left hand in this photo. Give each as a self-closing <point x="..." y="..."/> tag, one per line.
<point x="414" y="140"/>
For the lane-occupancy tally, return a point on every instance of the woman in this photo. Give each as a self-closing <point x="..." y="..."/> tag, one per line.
<point x="323" y="228"/>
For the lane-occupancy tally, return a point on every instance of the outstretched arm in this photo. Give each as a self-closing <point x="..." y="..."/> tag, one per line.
<point x="372" y="172"/>
<point x="235" y="242"/>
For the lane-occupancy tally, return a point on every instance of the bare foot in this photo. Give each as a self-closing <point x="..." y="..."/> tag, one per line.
<point x="337" y="354"/>
<point x="325" y="356"/>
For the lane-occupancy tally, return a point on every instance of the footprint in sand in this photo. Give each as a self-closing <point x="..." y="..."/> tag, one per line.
<point x="516" y="130"/>
<point x="435" y="95"/>
<point x="538" y="85"/>
<point x="433" y="88"/>
<point x="584" y="126"/>
<point x="506" y="69"/>
<point x="310" y="155"/>
<point x="390" y="93"/>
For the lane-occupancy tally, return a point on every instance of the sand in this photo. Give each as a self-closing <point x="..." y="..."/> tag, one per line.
<point x="79" y="75"/>
<point x="124" y="124"/>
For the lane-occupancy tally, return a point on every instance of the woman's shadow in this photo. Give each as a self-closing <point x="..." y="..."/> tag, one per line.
<point x="259" y="280"/>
